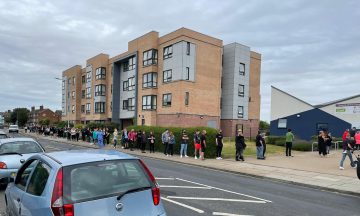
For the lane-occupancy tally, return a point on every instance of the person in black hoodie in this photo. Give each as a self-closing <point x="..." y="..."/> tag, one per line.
<point x="240" y="146"/>
<point x="321" y="144"/>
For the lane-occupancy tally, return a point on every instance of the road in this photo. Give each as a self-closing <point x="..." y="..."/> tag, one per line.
<point x="189" y="190"/>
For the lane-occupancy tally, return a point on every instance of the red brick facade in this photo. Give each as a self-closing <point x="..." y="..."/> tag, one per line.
<point x="249" y="127"/>
<point x="179" y="120"/>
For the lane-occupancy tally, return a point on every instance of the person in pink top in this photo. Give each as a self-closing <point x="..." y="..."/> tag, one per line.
<point x="357" y="140"/>
<point x="132" y="136"/>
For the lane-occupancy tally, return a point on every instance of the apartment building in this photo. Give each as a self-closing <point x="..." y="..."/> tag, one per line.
<point x="183" y="79"/>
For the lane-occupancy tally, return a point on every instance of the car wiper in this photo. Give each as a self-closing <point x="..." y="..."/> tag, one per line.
<point x="133" y="191"/>
<point x="11" y="153"/>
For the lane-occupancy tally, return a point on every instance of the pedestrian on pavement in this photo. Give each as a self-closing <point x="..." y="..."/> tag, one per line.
<point x="197" y="145"/>
<point x="348" y="145"/>
<point x="264" y="145"/>
<point x="138" y="139"/>
<point x="165" y="140"/>
<point x="100" y="138"/>
<point x="151" y="140"/>
<point x="77" y="135"/>
<point x="171" y="144"/>
<point x="143" y="142"/>
<point x="107" y="136"/>
<point x="73" y="134"/>
<point x="328" y="141"/>
<point x="115" y="137"/>
<point x="240" y="146"/>
<point x="203" y="144"/>
<point x="125" y="139"/>
<point x="289" y="141"/>
<point x="352" y="132"/>
<point x="219" y="144"/>
<point x="357" y="140"/>
<point x="345" y="134"/>
<point x="259" y="146"/>
<point x="132" y="138"/>
<point x="184" y="144"/>
<point x="321" y="144"/>
<point x="94" y="135"/>
<point x="83" y="134"/>
<point x="68" y="133"/>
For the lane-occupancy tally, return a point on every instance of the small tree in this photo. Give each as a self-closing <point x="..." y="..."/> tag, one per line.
<point x="264" y="126"/>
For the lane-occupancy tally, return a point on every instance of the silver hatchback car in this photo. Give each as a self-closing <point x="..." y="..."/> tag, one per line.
<point x="84" y="183"/>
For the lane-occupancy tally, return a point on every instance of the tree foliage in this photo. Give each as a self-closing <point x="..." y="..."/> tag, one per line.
<point x="19" y="116"/>
<point x="264" y="126"/>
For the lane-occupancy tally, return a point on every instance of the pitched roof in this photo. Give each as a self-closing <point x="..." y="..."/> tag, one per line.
<point x="336" y="101"/>
<point x="292" y="96"/>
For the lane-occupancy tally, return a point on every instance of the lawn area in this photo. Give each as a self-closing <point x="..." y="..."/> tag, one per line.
<point x="229" y="149"/>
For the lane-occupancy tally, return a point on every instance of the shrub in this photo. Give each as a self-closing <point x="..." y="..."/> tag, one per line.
<point x="276" y="140"/>
<point x="79" y="126"/>
<point x="210" y="138"/>
<point x="304" y="146"/>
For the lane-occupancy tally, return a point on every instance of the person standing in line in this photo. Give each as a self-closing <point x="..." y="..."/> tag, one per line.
<point x="138" y="139"/>
<point x="77" y="135"/>
<point x="321" y="144"/>
<point x="345" y="134"/>
<point x="197" y="144"/>
<point x="348" y="146"/>
<point x="203" y="144"/>
<point x="289" y="141"/>
<point x="73" y="134"/>
<point x="100" y="138"/>
<point x="264" y="145"/>
<point x="151" y="140"/>
<point x="327" y="141"/>
<point x="357" y="140"/>
<point x="240" y="146"/>
<point x="352" y="132"/>
<point x="125" y="139"/>
<point x="165" y="140"/>
<point x="143" y="142"/>
<point x="184" y="143"/>
<point x="132" y="137"/>
<point x="171" y="144"/>
<point x="219" y="144"/>
<point x="259" y="146"/>
<point x="107" y="136"/>
<point x="115" y="137"/>
<point x="94" y="135"/>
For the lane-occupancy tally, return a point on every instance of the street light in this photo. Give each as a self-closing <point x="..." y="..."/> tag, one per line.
<point x="68" y="119"/>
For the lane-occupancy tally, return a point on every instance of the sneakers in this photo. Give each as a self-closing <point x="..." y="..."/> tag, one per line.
<point x="186" y="156"/>
<point x="196" y="158"/>
<point x="217" y="158"/>
<point x="181" y="156"/>
<point x="341" y="168"/>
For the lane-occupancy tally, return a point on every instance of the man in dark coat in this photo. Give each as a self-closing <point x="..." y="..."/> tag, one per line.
<point x="240" y="146"/>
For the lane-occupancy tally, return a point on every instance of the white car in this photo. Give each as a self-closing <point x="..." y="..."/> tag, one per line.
<point x="14" y="129"/>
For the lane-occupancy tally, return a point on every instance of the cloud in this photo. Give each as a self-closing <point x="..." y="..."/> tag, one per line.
<point x="309" y="48"/>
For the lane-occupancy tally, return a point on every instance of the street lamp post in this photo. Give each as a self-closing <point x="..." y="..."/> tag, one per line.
<point x="68" y="118"/>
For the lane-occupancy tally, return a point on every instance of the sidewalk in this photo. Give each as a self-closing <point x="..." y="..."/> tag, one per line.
<point x="305" y="168"/>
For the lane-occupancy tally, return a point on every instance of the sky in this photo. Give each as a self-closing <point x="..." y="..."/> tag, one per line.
<point x="310" y="49"/>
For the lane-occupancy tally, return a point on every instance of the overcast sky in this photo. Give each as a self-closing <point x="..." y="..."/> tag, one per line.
<point x="310" y="49"/>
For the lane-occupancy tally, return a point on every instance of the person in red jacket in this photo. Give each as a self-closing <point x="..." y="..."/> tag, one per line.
<point x="346" y="132"/>
<point x="357" y="140"/>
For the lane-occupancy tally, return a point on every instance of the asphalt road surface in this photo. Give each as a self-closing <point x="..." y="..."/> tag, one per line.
<point x="189" y="190"/>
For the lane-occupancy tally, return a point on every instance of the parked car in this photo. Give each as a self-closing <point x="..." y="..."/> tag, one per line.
<point x="3" y="135"/>
<point x="13" y="153"/>
<point x="78" y="182"/>
<point x="14" y="129"/>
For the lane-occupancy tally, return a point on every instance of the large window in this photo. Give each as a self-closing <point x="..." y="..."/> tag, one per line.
<point x="129" y="64"/>
<point x="88" y="108"/>
<point x="150" y="80"/>
<point x="240" y="112"/>
<point x="167" y="99"/>
<point x="167" y="76"/>
<point x="168" y="52"/>
<point x="83" y="79"/>
<point x="100" y="90"/>
<point x="131" y="104"/>
<point x="150" y="57"/>
<point x="125" y="85"/>
<point x="100" y="73"/>
<point x="82" y="93"/>
<point x="282" y="123"/>
<point x="125" y="104"/>
<point x="149" y="102"/>
<point x="241" y="90"/>
<point x="82" y="108"/>
<point x="242" y="69"/>
<point x="131" y="82"/>
<point x="99" y="107"/>
<point x="88" y="76"/>
<point x="88" y="92"/>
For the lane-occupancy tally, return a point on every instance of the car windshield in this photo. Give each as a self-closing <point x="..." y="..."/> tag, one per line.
<point x="3" y="136"/>
<point x="13" y="127"/>
<point x="21" y="147"/>
<point x="97" y="180"/>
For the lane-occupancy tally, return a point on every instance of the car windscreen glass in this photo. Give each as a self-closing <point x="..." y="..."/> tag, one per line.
<point x="3" y="136"/>
<point x="98" y="180"/>
<point x="22" y="147"/>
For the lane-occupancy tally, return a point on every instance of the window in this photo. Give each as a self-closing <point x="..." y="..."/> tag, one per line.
<point x="187" y="48"/>
<point x="242" y="69"/>
<point x="99" y="107"/>
<point x="150" y="80"/>
<point x="82" y="93"/>
<point x="129" y="64"/>
<point x="131" y="83"/>
<point x="240" y="112"/>
<point x="63" y="85"/>
<point x="100" y="73"/>
<point x="150" y="57"/>
<point x="167" y="76"/>
<point x="82" y="108"/>
<point x="131" y="104"/>
<point x="73" y="94"/>
<point x="125" y="104"/>
<point x="38" y="179"/>
<point x="73" y="108"/>
<point x="125" y="85"/>
<point x="88" y="107"/>
<point x="168" y="52"/>
<point x="69" y="81"/>
<point x="88" y="92"/>
<point x="73" y="80"/>
<point x="282" y="123"/>
<point x="111" y="106"/>
<point x="187" y="75"/>
<point x="111" y="88"/>
<point x="187" y="96"/>
<point x="68" y="94"/>
<point x="24" y="173"/>
<point x="241" y="90"/>
<point x="88" y="76"/>
<point x="166" y="99"/>
<point x="83" y="79"/>
<point x="149" y="102"/>
<point x="100" y="90"/>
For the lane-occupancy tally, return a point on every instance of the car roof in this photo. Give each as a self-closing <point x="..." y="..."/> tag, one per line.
<point x="72" y="157"/>
<point x="9" y="140"/>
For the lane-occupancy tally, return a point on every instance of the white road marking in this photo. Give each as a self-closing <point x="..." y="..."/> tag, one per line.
<point x="184" y="205"/>
<point x="224" y="190"/>
<point x="216" y="199"/>
<point x="227" y="214"/>
<point x="188" y="187"/>
<point x="165" y="178"/>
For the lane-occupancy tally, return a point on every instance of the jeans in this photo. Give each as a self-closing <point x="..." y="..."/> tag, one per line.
<point x="259" y="152"/>
<point x="183" y="149"/>
<point x="170" y="149"/>
<point x="288" y="148"/>
<point x="166" y="148"/>
<point x="219" y="150"/>
<point x="115" y="142"/>
<point x="348" y="153"/>
<point x="100" y="143"/>
<point x="239" y="154"/>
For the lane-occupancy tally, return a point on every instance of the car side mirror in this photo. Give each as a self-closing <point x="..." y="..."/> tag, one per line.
<point x="22" y="161"/>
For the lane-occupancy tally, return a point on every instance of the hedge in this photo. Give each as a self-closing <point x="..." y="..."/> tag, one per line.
<point x="298" y="145"/>
<point x="210" y="151"/>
